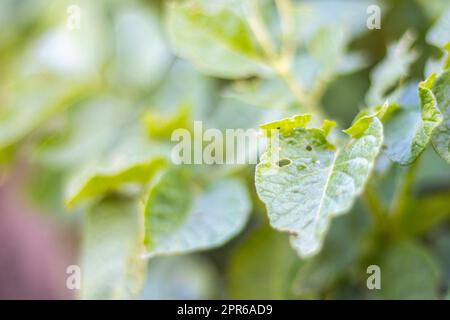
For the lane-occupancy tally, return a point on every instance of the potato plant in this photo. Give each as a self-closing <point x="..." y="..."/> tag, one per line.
<point x="92" y="92"/>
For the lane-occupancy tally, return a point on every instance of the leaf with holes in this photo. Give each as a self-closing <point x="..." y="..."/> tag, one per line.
<point x="311" y="180"/>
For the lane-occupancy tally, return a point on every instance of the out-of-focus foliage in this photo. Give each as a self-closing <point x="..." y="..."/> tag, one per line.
<point x="90" y="111"/>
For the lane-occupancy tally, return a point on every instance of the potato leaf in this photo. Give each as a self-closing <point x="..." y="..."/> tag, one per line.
<point x="408" y="129"/>
<point x="134" y="161"/>
<point x="215" y="37"/>
<point x="441" y="136"/>
<point x="317" y="181"/>
<point x="178" y="221"/>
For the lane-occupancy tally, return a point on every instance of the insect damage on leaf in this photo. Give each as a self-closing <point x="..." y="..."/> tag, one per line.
<point x="321" y="180"/>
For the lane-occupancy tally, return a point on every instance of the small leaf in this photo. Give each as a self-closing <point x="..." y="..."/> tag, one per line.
<point x="408" y="129"/>
<point x="159" y="126"/>
<point x="320" y="183"/>
<point x="441" y="136"/>
<point x="135" y="161"/>
<point x="387" y="75"/>
<point x="111" y="267"/>
<point x="215" y="37"/>
<point x="182" y="217"/>
<point x="31" y="106"/>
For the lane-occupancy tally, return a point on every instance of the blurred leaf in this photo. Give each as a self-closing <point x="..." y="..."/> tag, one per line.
<point x="31" y="106"/>
<point x="177" y="221"/>
<point x="111" y="266"/>
<point x="408" y="129"/>
<point x="133" y="161"/>
<point x="318" y="182"/>
<point x="441" y="136"/>
<point x="439" y="34"/>
<point x="215" y="37"/>
<point x="184" y="86"/>
<point x="84" y="133"/>
<point x="180" y="278"/>
<point x="142" y="55"/>
<point x="262" y="267"/>
<point x="159" y="126"/>
<point x="408" y="271"/>
<point x="389" y="72"/>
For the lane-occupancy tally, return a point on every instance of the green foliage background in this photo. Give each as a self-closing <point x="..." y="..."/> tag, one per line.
<point x="90" y="112"/>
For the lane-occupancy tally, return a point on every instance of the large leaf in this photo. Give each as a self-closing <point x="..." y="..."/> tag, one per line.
<point x="441" y="136"/>
<point x="215" y="37"/>
<point x="111" y="266"/>
<point x="408" y="128"/>
<point x="311" y="180"/>
<point x="181" y="216"/>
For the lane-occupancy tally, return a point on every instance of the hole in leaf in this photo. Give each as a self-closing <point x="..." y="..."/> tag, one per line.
<point x="284" y="162"/>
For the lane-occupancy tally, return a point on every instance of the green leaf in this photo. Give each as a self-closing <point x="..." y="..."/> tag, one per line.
<point x="159" y="126"/>
<point x="441" y="136"/>
<point x="408" y="271"/>
<point x="215" y="37"/>
<point x="262" y="267"/>
<point x="178" y="221"/>
<point x="134" y="161"/>
<point x="142" y="54"/>
<point x="31" y="106"/>
<point x="111" y="266"/>
<point x="319" y="182"/>
<point x="389" y="72"/>
<point x="84" y="133"/>
<point x="408" y="129"/>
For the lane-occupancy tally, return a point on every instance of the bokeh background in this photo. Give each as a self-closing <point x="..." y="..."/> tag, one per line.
<point x="66" y="93"/>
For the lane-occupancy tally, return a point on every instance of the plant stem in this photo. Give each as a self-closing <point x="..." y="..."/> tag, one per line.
<point x="279" y="63"/>
<point x="373" y="202"/>
<point x="285" y="9"/>
<point x="402" y="197"/>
